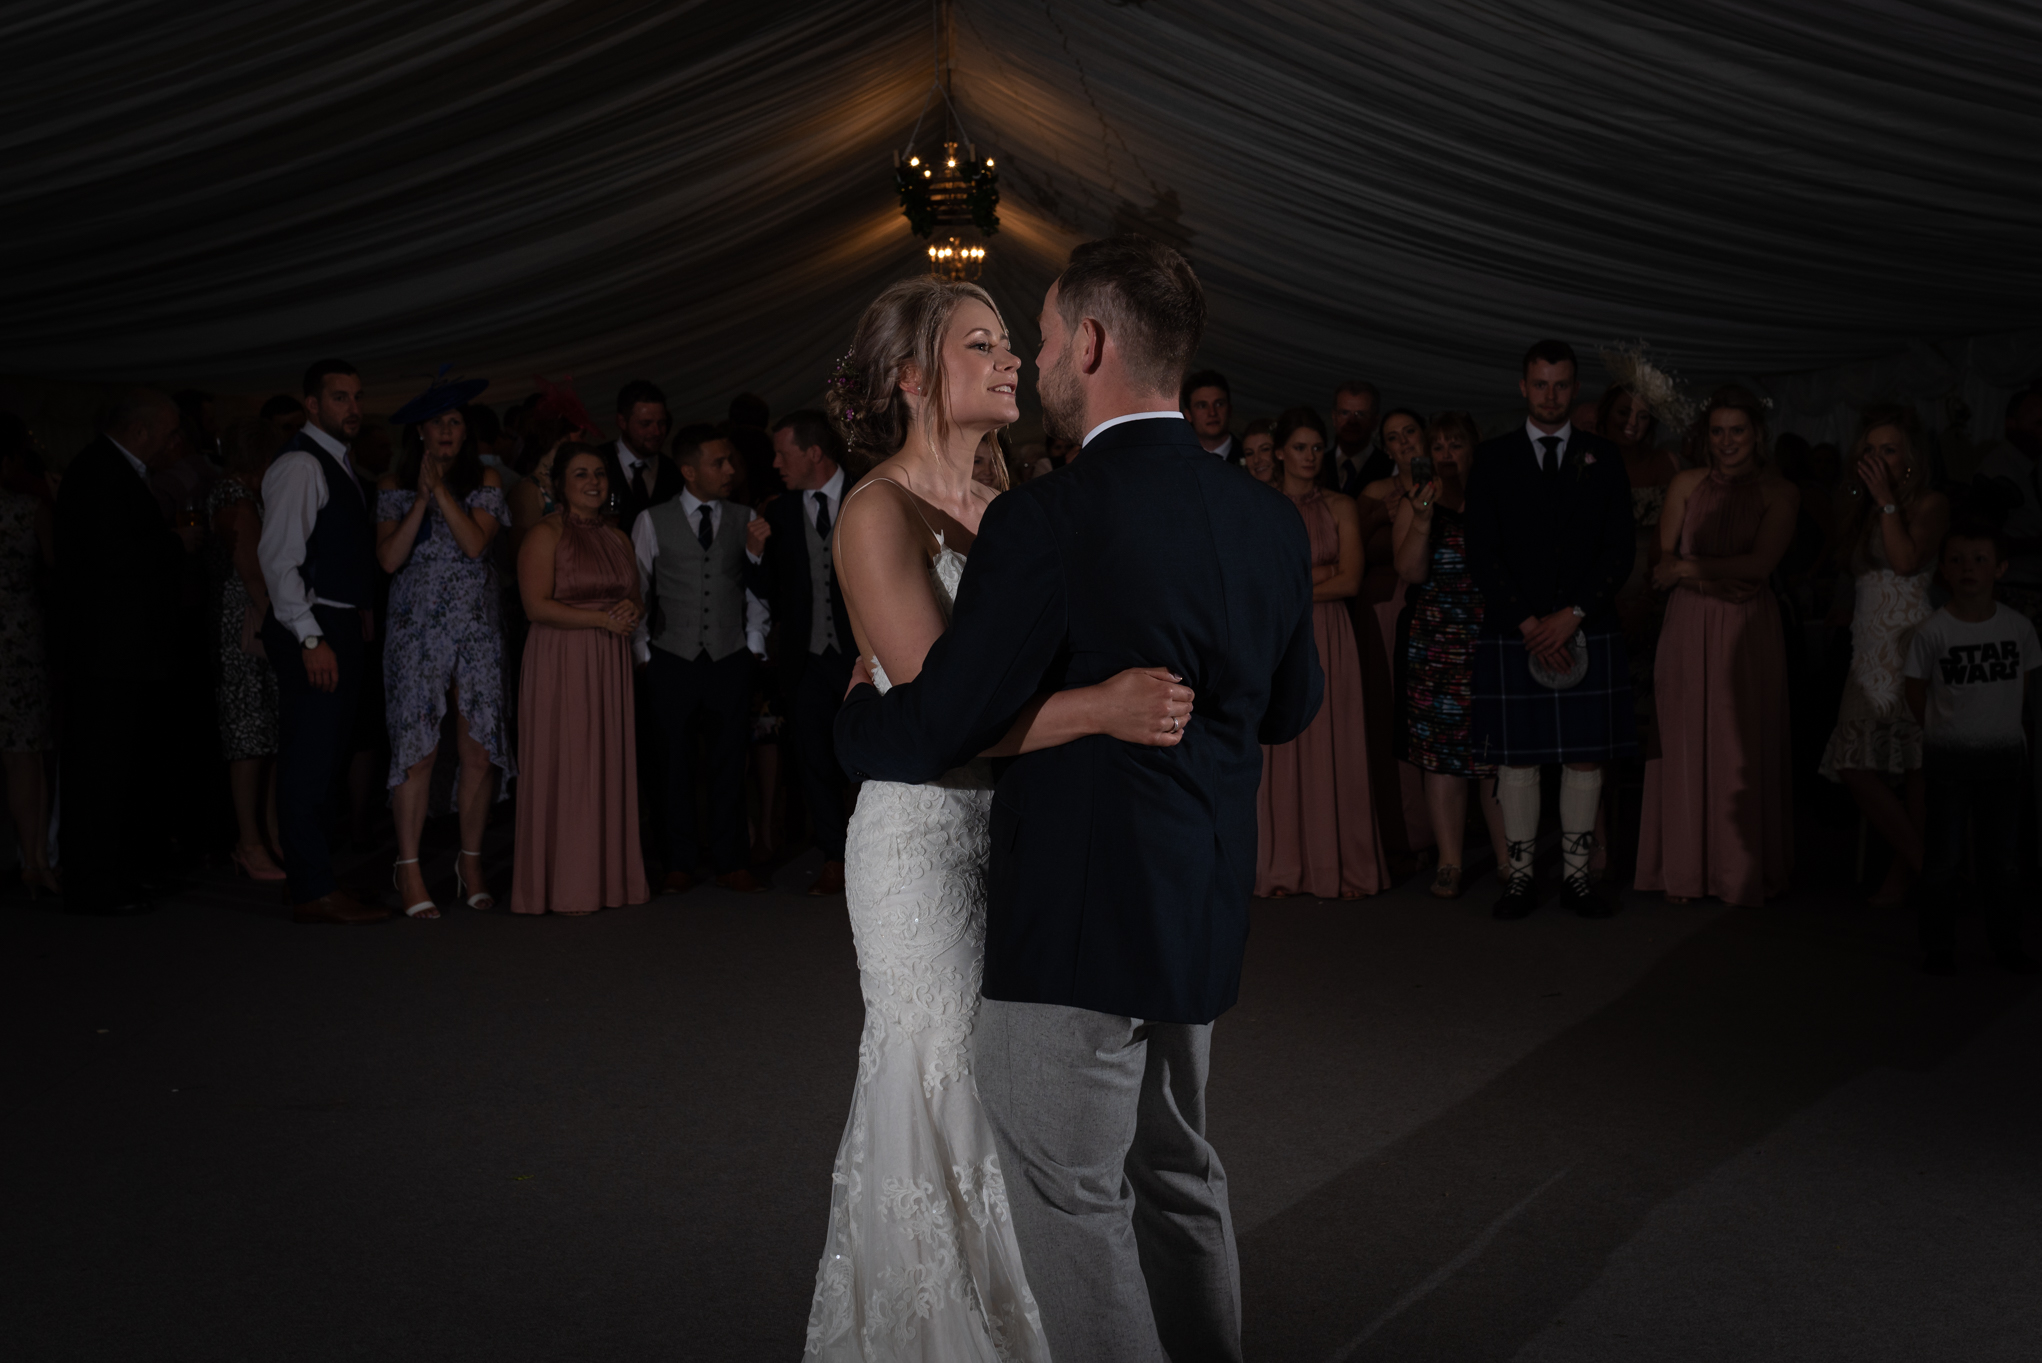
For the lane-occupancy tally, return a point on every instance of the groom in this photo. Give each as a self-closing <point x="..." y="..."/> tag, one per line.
<point x="1118" y="890"/>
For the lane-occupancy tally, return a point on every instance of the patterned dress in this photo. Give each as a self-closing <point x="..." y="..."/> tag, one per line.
<point x="24" y="666"/>
<point x="1875" y="731"/>
<point x="444" y="628"/>
<point x="1436" y="733"/>
<point x="246" y="693"/>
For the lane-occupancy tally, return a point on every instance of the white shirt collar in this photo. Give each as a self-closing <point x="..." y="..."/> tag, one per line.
<point x="630" y="458"/>
<point x="331" y="446"/>
<point x="690" y="503"/>
<point x="1226" y="448"/>
<point x="324" y="441"/>
<point x="141" y="469"/>
<point x="1535" y="435"/>
<point x="833" y="489"/>
<point x="1111" y="422"/>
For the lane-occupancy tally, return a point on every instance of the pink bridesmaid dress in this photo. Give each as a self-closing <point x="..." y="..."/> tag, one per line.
<point x="1718" y="816"/>
<point x="577" y="832"/>
<point x="1316" y="819"/>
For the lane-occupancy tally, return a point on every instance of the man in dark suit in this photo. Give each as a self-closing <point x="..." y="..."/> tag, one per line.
<point x="1354" y="462"/>
<point x="1550" y="540"/>
<point x="318" y="561"/>
<point x="812" y="645"/>
<point x="1120" y="875"/>
<point x="119" y="565"/>
<point x="1208" y="404"/>
<point x="639" y="469"/>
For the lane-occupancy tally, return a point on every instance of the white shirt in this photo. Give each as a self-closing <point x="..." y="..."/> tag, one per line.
<point x="832" y="492"/>
<point x="630" y="461"/>
<point x="758" y="617"/>
<point x="1976" y="675"/>
<point x="1225" y="450"/>
<point x="1343" y="458"/>
<point x="1564" y="434"/>
<point x="141" y="469"/>
<point x="293" y="491"/>
<point x="1111" y="422"/>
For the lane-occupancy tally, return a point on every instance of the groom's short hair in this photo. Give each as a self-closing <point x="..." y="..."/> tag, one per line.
<point x="1146" y="296"/>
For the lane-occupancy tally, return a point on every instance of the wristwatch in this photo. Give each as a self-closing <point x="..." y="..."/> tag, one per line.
<point x="1889" y="510"/>
<point x="312" y="641"/>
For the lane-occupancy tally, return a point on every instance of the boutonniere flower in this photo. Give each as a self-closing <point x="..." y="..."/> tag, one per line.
<point x="1588" y="459"/>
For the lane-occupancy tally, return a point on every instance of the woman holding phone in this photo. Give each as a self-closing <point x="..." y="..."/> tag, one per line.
<point x="1436" y="666"/>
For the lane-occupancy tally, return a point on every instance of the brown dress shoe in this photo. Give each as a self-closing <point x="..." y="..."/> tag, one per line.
<point x="741" y="880"/>
<point x="338" y="907"/>
<point x="831" y="881"/>
<point x="677" y="882"/>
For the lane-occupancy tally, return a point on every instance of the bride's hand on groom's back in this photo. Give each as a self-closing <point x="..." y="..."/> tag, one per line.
<point x="1146" y="705"/>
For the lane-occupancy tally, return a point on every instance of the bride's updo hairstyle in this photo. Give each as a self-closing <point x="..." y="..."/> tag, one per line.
<point x="903" y="326"/>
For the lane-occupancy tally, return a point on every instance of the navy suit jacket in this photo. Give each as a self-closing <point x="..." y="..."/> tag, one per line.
<point x="119" y="565"/>
<point x="1539" y="543"/>
<point x="1120" y="873"/>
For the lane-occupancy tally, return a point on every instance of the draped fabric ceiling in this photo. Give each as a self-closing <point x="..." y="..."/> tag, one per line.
<point x="1839" y="196"/>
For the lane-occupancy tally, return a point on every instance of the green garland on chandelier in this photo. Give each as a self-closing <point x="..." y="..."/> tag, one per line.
<point x="917" y="204"/>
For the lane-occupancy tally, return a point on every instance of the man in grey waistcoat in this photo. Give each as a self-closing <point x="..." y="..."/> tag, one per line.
<point x="702" y="634"/>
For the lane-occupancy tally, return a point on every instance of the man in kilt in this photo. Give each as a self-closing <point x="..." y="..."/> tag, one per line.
<point x="1549" y="542"/>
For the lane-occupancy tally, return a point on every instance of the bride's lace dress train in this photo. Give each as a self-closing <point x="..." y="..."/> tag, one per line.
<point x="921" y="1262"/>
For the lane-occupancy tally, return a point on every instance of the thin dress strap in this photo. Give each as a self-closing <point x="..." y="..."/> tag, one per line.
<point x="913" y="500"/>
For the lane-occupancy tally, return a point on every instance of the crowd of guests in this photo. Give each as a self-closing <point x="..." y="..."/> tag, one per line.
<point x="1593" y="591"/>
<point x="640" y="633"/>
<point x="282" y="616"/>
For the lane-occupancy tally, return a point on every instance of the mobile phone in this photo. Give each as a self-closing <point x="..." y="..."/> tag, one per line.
<point x="1423" y="470"/>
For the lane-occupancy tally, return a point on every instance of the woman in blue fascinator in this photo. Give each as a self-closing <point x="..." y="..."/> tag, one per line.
<point x="436" y="512"/>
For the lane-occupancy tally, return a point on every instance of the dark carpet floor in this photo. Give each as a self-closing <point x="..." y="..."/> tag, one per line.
<point x="1693" y="1133"/>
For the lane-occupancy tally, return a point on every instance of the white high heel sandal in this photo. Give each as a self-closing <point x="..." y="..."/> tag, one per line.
<point x="424" y="908"/>
<point x="461" y="886"/>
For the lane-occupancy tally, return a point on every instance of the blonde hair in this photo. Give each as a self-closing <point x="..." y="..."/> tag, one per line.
<point x="1733" y="397"/>
<point x="903" y="326"/>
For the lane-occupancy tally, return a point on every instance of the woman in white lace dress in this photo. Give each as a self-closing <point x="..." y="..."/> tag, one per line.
<point x="920" y="1262"/>
<point x="1892" y="527"/>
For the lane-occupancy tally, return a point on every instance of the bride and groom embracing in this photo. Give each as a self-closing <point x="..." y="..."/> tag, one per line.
<point x="1025" y="1174"/>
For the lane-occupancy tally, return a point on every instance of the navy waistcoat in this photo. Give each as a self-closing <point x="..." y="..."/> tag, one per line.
<point x="340" y="553"/>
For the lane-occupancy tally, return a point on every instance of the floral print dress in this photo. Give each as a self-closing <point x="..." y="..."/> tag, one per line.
<point x="445" y="629"/>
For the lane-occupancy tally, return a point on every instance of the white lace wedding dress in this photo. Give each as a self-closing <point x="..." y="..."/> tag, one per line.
<point x="921" y="1262"/>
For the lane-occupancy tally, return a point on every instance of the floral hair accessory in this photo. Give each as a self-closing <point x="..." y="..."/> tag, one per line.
<point x="846" y="381"/>
<point x="1662" y="392"/>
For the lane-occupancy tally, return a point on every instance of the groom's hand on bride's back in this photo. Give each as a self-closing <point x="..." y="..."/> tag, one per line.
<point x="1146" y="705"/>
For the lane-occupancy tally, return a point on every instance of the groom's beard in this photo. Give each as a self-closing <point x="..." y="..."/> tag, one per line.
<point x="1063" y="402"/>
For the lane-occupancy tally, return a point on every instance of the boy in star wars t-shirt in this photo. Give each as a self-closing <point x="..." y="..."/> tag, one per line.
<point x="1967" y="673"/>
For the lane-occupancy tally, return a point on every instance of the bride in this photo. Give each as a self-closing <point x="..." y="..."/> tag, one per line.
<point x="921" y="1261"/>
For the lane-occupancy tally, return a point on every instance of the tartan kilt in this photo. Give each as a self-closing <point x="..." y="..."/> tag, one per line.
<point x="1519" y="723"/>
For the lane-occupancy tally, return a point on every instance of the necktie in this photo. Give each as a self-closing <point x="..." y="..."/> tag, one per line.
<point x="1551" y="462"/>
<point x="638" y="482"/>
<point x="822" y="516"/>
<point x="706" y="532"/>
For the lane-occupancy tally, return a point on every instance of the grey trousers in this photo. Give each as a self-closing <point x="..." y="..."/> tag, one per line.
<point x="1119" y="1205"/>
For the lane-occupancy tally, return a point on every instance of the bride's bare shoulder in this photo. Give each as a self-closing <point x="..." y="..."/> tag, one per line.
<point x="878" y="520"/>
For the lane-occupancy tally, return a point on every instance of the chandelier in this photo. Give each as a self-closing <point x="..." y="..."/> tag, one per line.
<point x="954" y="260"/>
<point x="947" y="190"/>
